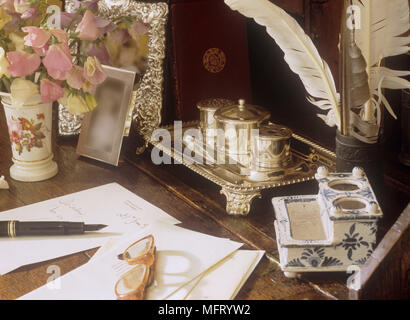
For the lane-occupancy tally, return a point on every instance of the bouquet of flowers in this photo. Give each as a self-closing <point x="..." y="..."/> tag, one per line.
<point x="41" y="56"/>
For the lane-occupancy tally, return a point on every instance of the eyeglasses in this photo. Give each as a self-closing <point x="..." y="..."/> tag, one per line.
<point x="132" y="284"/>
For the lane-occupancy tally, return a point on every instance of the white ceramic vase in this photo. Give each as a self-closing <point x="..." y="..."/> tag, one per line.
<point x="29" y="127"/>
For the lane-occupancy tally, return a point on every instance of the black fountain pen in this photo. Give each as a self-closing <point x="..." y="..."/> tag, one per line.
<point x="14" y="228"/>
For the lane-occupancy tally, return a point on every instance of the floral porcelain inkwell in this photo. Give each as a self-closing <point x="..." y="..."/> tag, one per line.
<point x="330" y="231"/>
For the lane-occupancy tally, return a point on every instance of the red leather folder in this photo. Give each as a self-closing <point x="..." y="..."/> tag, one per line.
<point x="210" y="54"/>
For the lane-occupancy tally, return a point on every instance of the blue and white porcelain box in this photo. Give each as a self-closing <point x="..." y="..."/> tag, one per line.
<point x="330" y="231"/>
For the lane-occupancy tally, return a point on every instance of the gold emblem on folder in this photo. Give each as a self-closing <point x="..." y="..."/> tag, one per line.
<point x="214" y="60"/>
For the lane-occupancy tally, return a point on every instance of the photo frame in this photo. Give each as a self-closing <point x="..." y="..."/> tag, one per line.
<point x="103" y="128"/>
<point x="148" y="97"/>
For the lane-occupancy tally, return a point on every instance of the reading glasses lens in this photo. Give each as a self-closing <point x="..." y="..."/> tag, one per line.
<point x="132" y="280"/>
<point x="139" y="249"/>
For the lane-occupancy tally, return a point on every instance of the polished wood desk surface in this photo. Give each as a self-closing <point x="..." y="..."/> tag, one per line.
<point x="184" y="195"/>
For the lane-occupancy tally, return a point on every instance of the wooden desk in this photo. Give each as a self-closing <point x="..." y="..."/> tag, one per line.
<point x="184" y="195"/>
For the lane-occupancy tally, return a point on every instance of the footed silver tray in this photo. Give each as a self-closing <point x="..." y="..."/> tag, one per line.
<point x="236" y="180"/>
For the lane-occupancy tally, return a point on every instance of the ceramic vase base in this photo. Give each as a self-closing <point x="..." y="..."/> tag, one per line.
<point x="32" y="172"/>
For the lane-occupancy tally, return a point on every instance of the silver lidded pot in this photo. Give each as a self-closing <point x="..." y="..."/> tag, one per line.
<point x="271" y="148"/>
<point x="238" y="122"/>
<point x="207" y="109"/>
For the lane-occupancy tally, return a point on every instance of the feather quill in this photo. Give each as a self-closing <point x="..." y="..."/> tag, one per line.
<point x="354" y="80"/>
<point x="358" y="86"/>
<point x="382" y="26"/>
<point x="300" y="53"/>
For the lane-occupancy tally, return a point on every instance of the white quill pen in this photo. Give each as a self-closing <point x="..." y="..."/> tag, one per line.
<point x="300" y="53"/>
<point x="380" y="35"/>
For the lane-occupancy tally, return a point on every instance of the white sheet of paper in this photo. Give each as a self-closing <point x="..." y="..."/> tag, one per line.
<point x="220" y="283"/>
<point x="182" y="255"/>
<point x="253" y="265"/>
<point x="110" y="204"/>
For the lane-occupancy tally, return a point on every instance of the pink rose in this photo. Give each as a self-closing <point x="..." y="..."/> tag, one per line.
<point x="138" y="29"/>
<point x="76" y="78"/>
<point x="22" y="63"/>
<point x="93" y="71"/>
<point x="15" y="130"/>
<point x="36" y="38"/>
<point x="58" y="61"/>
<point x="87" y="28"/>
<point x="50" y="91"/>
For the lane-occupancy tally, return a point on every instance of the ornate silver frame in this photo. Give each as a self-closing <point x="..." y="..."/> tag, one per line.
<point x="148" y="97"/>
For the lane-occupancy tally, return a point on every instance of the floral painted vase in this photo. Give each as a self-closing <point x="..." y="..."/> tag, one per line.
<point x="29" y="127"/>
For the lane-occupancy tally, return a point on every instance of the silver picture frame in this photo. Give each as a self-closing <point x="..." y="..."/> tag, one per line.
<point x="147" y="106"/>
<point x="102" y="129"/>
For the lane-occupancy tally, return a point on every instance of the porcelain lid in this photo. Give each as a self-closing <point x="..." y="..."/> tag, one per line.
<point x="242" y="113"/>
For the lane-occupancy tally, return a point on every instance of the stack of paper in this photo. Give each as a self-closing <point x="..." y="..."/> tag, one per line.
<point x="189" y="265"/>
<point x="219" y="282"/>
<point x="109" y="204"/>
<point x="216" y="283"/>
